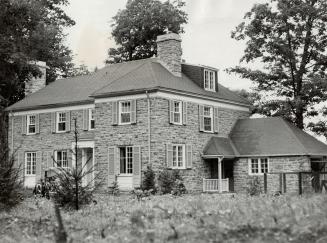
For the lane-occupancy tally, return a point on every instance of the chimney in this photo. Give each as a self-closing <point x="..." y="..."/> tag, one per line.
<point x="169" y="52"/>
<point x="35" y="84"/>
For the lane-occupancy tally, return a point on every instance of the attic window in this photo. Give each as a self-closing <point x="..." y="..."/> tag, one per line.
<point x="209" y="80"/>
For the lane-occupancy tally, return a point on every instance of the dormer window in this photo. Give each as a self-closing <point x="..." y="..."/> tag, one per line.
<point x="209" y="80"/>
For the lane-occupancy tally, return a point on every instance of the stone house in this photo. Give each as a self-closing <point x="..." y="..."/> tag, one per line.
<point x="160" y="112"/>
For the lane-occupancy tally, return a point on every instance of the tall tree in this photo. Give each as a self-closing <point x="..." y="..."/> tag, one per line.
<point x="136" y="28"/>
<point x="31" y="30"/>
<point x="289" y="37"/>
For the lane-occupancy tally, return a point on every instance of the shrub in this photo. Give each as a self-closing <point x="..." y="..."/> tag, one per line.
<point x="148" y="182"/>
<point x="254" y="186"/>
<point x="170" y="181"/>
<point x="115" y="188"/>
<point x="10" y="183"/>
<point x="139" y="193"/>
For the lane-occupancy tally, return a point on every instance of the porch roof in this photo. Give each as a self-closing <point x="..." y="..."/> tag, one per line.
<point x="219" y="146"/>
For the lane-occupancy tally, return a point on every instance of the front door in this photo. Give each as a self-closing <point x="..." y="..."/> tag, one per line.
<point x="88" y="167"/>
<point x="125" y="177"/>
<point x="30" y="169"/>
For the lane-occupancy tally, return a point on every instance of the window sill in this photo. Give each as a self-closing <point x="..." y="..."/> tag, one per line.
<point x="208" y="131"/>
<point x="125" y="175"/>
<point x="30" y="175"/>
<point x="123" y="124"/>
<point x="28" y="134"/>
<point x="61" y="131"/>
<point x="178" y="124"/>
<point x="210" y="90"/>
<point x="259" y="174"/>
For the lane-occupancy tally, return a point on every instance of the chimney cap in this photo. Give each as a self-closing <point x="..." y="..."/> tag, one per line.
<point x="169" y="36"/>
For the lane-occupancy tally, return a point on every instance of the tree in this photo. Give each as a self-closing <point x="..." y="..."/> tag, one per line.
<point x="289" y="37"/>
<point x="31" y="30"/>
<point x="79" y="71"/>
<point x="136" y="28"/>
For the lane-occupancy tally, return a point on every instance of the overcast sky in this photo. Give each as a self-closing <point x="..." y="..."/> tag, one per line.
<point x="206" y="40"/>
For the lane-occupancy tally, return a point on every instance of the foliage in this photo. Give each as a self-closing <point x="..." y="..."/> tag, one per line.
<point x="253" y="186"/>
<point x="251" y="97"/>
<point x="140" y="193"/>
<point x="115" y="188"/>
<point x="10" y="183"/>
<point x="31" y="30"/>
<point x="136" y="28"/>
<point x="149" y="182"/>
<point x="79" y="71"/>
<point x="191" y="218"/>
<point x="289" y="38"/>
<point x="170" y="181"/>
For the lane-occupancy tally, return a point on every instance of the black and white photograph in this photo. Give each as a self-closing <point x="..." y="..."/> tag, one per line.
<point x="163" y="121"/>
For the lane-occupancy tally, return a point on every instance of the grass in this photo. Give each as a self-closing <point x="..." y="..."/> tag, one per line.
<point x="191" y="218"/>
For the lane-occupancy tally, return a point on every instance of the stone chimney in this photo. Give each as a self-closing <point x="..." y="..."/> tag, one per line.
<point x="169" y="52"/>
<point x="35" y="84"/>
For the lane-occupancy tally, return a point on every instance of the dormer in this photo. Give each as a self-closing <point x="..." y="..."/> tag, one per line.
<point x="205" y="77"/>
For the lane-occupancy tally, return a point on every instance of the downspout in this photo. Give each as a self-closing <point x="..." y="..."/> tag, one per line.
<point x="149" y="126"/>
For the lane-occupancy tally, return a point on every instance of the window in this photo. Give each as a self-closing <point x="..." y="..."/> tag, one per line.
<point x="31" y="124"/>
<point x="126" y="160"/>
<point x="124" y="112"/>
<point x="177" y="112"/>
<point x="207" y="118"/>
<point x="91" y="119"/>
<point x="61" y="122"/>
<point x="61" y="159"/>
<point x="178" y="156"/>
<point x="258" y="166"/>
<point x="209" y="80"/>
<point x="30" y="161"/>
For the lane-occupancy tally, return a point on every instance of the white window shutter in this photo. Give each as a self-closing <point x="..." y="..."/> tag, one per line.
<point x="133" y="111"/>
<point x="38" y="171"/>
<point x="24" y="125"/>
<point x="70" y="158"/>
<point x="137" y="165"/>
<point x="189" y="158"/>
<point x="53" y="122"/>
<point x="86" y="119"/>
<point x="215" y="120"/>
<point x="184" y="113"/>
<point x="111" y="165"/>
<point x="37" y="123"/>
<point x="201" y="122"/>
<point x="169" y="155"/>
<point x="49" y="159"/>
<point x="114" y="111"/>
<point x="171" y="111"/>
<point x="67" y="121"/>
<point x="21" y="164"/>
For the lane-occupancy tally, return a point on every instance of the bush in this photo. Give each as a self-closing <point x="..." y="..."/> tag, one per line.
<point x="115" y="188"/>
<point x="170" y="181"/>
<point x="10" y="183"/>
<point x="148" y="182"/>
<point x="139" y="193"/>
<point x="254" y="186"/>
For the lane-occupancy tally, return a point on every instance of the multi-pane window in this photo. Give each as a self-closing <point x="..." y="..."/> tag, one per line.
<point x="124" y="112"/>
<point x="31" y="124"/>
<point x="207" y="118"/>
<point x="178" y="156"/>
<point x="61" y="121"/>
<point x="258" y="166"/>
<point x="61" y="159"/>
<point x="126" y="160"/>
<point x="209" y="80"/>
<point x="177" y="112"/>
<point x="91" y="121"/>
<point x="30" y="161"/>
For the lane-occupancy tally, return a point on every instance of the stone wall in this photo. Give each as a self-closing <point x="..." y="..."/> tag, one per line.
<point x="276" y="165"/>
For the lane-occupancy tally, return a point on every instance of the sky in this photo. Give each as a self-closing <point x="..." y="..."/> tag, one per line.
<point x="207" y="38"/>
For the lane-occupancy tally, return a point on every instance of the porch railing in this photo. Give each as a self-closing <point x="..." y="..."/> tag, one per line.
<point x="212" y="185"/>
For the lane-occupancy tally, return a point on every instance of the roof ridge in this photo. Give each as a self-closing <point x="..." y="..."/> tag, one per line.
<point x="118" y="78"/>
<point x="296" y="138"/>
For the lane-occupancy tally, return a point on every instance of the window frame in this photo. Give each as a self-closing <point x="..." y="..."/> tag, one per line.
<point x="183" y="166"/>
<point x="126" y="162"/>
<point x="211" y="117"/>
<point x="57" y="121"/>
<point x="31" y="164"/>
<point x="28" y="124"/>
<point x="56" y="159"/>
<point x="260" y="160"/>
<point x="180" y="104"/>
<point x="120" y="112"/>
<point x="91" y="112"/>
<point x="209" y="80"/>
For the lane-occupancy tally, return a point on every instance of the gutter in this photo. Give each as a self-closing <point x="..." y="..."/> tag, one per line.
<point x="149" y="126"/>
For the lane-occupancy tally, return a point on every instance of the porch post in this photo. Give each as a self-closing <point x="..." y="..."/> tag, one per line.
<point x="220" y="181"/>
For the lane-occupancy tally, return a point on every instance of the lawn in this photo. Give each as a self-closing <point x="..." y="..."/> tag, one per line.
<point x="191" y="218"/>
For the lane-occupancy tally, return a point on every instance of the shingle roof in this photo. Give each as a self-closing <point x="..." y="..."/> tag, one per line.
<point x="220" y="146"/>
<point x="133" y="76"/>
<point x="274" y="136"/>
